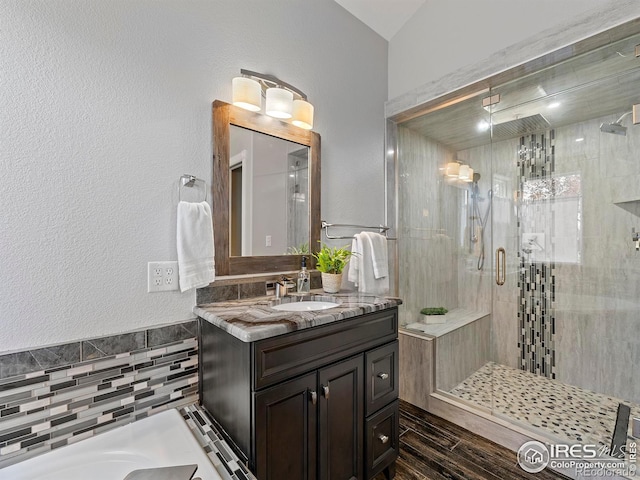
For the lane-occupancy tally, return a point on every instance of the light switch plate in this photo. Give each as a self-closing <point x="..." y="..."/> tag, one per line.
<point x="636" y="427"/>
<point x="162" y="276"/>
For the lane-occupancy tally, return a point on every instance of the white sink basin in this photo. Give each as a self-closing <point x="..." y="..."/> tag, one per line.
<point x="305" y="306"/>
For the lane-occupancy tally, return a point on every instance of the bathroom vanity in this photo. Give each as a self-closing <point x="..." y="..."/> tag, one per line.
<point x="305" y="395"/>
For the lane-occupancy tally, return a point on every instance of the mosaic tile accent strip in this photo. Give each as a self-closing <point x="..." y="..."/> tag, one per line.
<point x="564" y="411"/>
<point x="52" y="407"/>
<point x="29" y="361"/>
<point x="219" y="452"/>
<point x="536" y="164"/>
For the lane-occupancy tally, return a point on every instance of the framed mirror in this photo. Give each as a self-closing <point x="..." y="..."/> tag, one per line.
<point x="265" y="191"/>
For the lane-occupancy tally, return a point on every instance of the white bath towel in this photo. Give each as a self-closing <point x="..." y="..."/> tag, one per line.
<point x="378" y="254"/>
<point x="196" y="267"/>
<point x="369" y="267"/>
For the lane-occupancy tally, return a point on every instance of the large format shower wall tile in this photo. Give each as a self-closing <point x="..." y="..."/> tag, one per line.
<point x="504" y="334"/>
<point x="599" y="351"/>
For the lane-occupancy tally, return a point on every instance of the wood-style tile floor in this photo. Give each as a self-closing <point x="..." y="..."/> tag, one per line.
<point x="432" y="448"/>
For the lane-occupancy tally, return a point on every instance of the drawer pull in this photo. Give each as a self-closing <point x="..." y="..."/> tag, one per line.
<point x="325" y="391"/>
<point x="383" y="438"/>
<point x="383" y="376"/>
<point x="314" y="397"/>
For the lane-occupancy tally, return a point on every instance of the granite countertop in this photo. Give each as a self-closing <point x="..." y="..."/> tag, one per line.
<point x="253" y="319"/>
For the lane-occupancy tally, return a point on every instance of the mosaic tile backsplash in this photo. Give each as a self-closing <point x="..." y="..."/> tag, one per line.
<point x="54" y="396"/>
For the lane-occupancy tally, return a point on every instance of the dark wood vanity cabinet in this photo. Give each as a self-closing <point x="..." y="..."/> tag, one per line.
<point x="320" y="403"/>
<point x="312" y="424"/>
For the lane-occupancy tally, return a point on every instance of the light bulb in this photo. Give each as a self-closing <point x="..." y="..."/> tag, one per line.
<point x="246" y="93"/>
<point x="279" y="103"/>
<point x="302" y="114"/>
<point x="453" y="169"/>
<point x="464" y="173"/>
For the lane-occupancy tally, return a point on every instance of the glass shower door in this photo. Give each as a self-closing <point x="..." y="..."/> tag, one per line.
<point x="566" y="307"/>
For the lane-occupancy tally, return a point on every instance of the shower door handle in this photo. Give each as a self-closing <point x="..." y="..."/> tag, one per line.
<point x="501" y="266"/>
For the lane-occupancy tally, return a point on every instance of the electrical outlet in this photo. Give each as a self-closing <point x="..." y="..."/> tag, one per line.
<point x="162" y="276"/>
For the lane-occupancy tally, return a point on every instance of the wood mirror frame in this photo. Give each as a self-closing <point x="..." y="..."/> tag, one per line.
<point x="224" y="115"/>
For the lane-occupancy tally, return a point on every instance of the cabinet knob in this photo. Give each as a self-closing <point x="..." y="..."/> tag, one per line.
<point x="383" y="438"/>
<point x="325" y="391"/>
<point x="383" y="376"/>
<point x="314" y="397"/>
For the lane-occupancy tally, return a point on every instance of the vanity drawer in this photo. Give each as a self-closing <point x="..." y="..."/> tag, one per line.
<point x="381" y="439"/>
<point x="279" y="358"/>
<point x="381" y="376"/>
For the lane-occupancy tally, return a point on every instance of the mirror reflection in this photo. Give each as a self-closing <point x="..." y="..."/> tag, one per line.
<point x="269" y="195"/>
<point x="276" y="209"/>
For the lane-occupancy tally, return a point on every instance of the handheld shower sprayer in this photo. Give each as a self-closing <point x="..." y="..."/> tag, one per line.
<point x="476" y="215"/>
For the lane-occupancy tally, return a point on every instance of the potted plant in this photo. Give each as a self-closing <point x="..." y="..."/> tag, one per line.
<point x="330" y="262"/>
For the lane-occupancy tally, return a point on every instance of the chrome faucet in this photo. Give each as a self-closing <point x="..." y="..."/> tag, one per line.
<point x="283" y="285"/>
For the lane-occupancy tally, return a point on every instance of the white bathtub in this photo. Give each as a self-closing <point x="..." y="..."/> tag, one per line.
<point x="161" y="440"/>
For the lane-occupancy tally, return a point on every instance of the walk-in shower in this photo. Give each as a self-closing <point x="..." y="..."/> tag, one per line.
<point x="533" y="259"/>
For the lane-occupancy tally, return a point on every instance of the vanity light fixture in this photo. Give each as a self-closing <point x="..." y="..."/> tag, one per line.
<point x="452" y="170"/>
<point x="247" y="93"/>
<point x="279" y="103"/>
<point x="466" y="173"/>
<point x="283" y="101"/>
<point x="302" y="114"/>
<point x="457" y="171"/>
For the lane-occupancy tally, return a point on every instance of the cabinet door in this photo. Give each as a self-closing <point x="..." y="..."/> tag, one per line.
<point x="286" y="435"/>
<point x="341" y="420"/>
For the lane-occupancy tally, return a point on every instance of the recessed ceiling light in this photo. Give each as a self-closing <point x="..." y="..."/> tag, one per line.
<point x="483" y="126"/>
<point x="581" y="139"/>
<point x="554" y="104"/>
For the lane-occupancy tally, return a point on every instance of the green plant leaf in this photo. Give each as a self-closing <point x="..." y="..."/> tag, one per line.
<point x="332" y="260"/>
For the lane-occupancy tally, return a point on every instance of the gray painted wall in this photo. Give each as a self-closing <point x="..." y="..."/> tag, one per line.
<point x="105" y="104"/>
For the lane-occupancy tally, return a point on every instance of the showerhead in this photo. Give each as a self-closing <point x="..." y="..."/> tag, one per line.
<point x="614" y="128"/>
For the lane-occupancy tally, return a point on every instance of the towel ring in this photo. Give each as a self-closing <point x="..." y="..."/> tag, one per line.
<point x="190" y="181"/>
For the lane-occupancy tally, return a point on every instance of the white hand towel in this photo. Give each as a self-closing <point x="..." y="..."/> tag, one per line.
<point x="361" y="267"/>
<point x="196" y="267"/>
<point x="354" y="260"/>
<point x="378" y="254"/>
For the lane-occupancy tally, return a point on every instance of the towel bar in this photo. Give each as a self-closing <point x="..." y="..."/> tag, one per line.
<point x="326" y="226"/>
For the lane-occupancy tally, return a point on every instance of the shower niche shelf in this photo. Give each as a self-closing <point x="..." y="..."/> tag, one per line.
<point x="632" y="206"/>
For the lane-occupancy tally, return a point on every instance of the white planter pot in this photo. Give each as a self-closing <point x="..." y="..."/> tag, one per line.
<point x="331" y="282"/>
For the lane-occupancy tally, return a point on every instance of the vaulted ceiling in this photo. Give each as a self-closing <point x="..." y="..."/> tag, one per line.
<point x="385" y="17"/>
